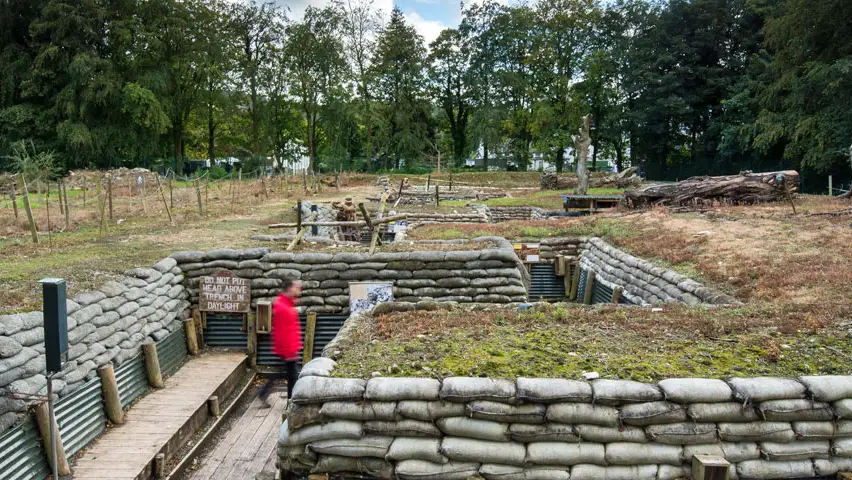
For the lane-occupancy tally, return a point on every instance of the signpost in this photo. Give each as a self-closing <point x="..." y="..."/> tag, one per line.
<point x="223" y="292"/>
<point x="55" y="347"/>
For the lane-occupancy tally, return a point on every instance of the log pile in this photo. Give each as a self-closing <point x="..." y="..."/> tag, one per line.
<point x="745" y="188"/>
<point x="553" y="181"/>
<point x="627" y="178"/>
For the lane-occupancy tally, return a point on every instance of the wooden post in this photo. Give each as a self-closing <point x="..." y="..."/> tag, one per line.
<point x="85" y="191"/>
<point x="559" y="266"/>
<point x="251" y="334"/>
<point x="616" y="294"/>
<point x="67" y="207"/>
<point x="198" y="195"/>
<point x="163" y="196"/>
<point x="213" y="406"/>
<point x="109" y="388"/>
<point x="142" y="196"/>
<point x="191" y="339"/>
<point x="709" y="467"/>
<point x="29" y="210"/>
<point x="830" y="186"/>
<point x="437" y="195"/>
<point x="59" y="195"/>
<point x="159" y="465"/>
<point x="451" y="177"/>
<point x="428" y="182"/>
<point x="298" y="216"/>
<point x="101" y="205"/>
<point x="152" y="365"/>
<point x="109" y="192"/>
<point x="43" y="421"/>
<point x="301" y="233"/>
<point x="308" y="345"/>
<point x="590" y="284"/>
<point x="207" y="189"/>
<point x="14" y="202"/>
<point x="171" y="195"/>
<point x="575" y="282"/>
<point x="47" y="207"/>
<point x="263" y="185"/>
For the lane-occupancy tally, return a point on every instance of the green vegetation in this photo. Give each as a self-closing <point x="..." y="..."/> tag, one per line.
<point x="548" y="199"/>
<point x="609" y="228"/>
<point x="568" y="340"/>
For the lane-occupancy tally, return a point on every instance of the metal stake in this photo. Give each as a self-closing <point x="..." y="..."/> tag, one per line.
<point x="52" y="427"/>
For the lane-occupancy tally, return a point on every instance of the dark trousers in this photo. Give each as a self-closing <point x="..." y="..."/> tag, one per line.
<point x="289" y="372"/>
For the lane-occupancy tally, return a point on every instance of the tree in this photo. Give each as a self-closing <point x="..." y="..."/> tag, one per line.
<point x="316" y="66"/>
<point x="486" y="114"/>
<point x="449" y="85"/>
<point x="397" y="79"/>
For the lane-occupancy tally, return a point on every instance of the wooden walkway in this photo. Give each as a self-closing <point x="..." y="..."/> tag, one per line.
<point x="247" y="450"/>
<point x="160" y="420"/>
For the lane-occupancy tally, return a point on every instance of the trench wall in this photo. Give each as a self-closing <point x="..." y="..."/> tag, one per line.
<point x="423" y="428"/>
<point x="490" y="275"/>
<point x="104" y="326"/>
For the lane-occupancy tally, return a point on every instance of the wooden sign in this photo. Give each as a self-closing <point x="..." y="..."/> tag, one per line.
<point x="224" y="292"/>
<point x="527" y="252"/>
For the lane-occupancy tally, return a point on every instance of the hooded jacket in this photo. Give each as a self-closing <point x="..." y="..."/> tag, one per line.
<point x="286" y="330"/>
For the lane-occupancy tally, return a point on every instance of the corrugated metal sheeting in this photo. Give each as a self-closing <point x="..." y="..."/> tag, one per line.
<point x="21" y="454"/>
<point x="171" y="351"/>
<point x="601" y="293"/>
<point x="581" y="285"/>
<point x="225" y="330"/>
<point x="326" y="330"/>
<point x="132" y="380"/>
<point x="80" y="416"/>
<point x="544" y="283"/>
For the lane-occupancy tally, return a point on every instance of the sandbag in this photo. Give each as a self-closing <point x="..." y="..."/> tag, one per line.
<point x="625" y="453"/>
<point x="652" y="413"/>
<point x="695" y="390"/>
<point x="842" y="448"/>
<point x="550" y="390"/>
<point x="685" y="433"/>
<point x="471" y="450"/>
<point x="832" y="466"/>
<point x="757" y="431"/>
<point x="617" y="392"/>
<point x="318" y="367"/>
<point x="474" y="428"/>
<point x="843" y="408"/>
<point x="507" y="472"/>
<point x="324" y="389"/>
<point x="429" y="411"/>
<point x="337" y="429"/>
<point x="583" y="413"/>
<point x="730" y="451"/>
<point x="414" y="448"/>
<point x="829" y="388"/>
<point x="360" y="410"/>
<point x="422" y="470"/>
<point x="502" y="412"/>
<point x="559" y="453"/>
<point x="761" y="389"/>
<point x="595" y="472"/>
<point x="299" y="454"/>
<point x="368" y="446"/>
<point x="299" y="416"/>
<point x="795" y="410"/>
<point x="371" y="466"/>
<point x="764" y="469"/>
<point x="390" y="389"/>
<point x="550" y="432"/>
<point x="595" y="433"/>
<point x="466" y="389"/>
<point x="822" y="430"/>
<point x="722" y="412"/>
<point x="402" y="428"/>
<point x="802" y="450"/>
<point x="670" y="472"/>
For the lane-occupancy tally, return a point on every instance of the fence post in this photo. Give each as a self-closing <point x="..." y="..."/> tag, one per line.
<point x="59" y="192"/>
<point x="251" y="333"/>
<point x="109" y="387"/>
<point x="14" y="202"/>
<point x="67" y="207"/>
<point x="29" y="210"/>
<point x="191" y="338"/>
<point x="310" y="329"/>
<point x="590" y="287"/>
<point x="830" y="186"/>
<point x="44" y="424"/>
<point x="198" y="195"/>
<point x="163" y="196"/>
<point x="298" y="216"/>
<point x="152" y="365"/>
<point x="109" y="192"/>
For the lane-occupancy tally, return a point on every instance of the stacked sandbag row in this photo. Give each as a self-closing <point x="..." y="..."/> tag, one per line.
<point x="490" y="275"/>
<point x="471" y="217"/>
<point x="505" y="214"/>
<point x="550" y="248"/>
<point x="419" y="428"/>
<point x="640" y="278"/>
<point x="107" y="325"/>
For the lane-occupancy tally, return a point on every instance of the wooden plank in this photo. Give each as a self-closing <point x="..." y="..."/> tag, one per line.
<point x="212" y="463"/>
<point x="226" y="470"/>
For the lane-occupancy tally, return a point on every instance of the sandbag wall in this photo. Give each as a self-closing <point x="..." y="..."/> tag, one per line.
<point x="106" y="325"/>
<point x="550" y="248"/>
<point x="490" y="275"/>
<point x="471" y="217"/>
<point x="421" y="428"/>
<point x="505" y="214"/>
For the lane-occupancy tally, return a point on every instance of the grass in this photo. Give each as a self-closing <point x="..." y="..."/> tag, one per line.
<point x="547" y="199"/>
<point x="631" y="343"/>
<point x="563" y="227"/>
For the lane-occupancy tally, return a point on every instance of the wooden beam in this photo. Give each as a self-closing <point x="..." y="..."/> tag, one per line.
<point x="310" y="330"/>
<point x="616" y="294"/>
<point x="710" y="467"/>
<point x="191" y="337"/>
<point x="251" y="334"/>
<point x="43" y="421"/>
<point x="112" y="401"/>
<point x="301" y="234"/>
<point x="29" y="210"/>
<point x="575" y="282"/>
<point x="365" y="215"/>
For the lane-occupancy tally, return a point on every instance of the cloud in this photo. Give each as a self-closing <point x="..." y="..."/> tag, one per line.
<point x="429" y="29"/>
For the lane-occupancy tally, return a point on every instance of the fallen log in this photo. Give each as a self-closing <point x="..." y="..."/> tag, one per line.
<point x="357" y="223"/>
<point x="745" y="188"/>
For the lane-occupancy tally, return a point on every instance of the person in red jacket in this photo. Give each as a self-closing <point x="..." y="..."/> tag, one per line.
<point x="286" y="337"/>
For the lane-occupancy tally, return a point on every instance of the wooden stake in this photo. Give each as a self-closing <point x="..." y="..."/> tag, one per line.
<point x="171" y="195"/>
<point x="191" y="339"/>
<point x="59" y="189"/>
<point x="263" y="185"/>
<point x="14" y="203"/>
<point x="251" y="335"/>
<point x="101" y="207"/>
<point x="109" y="193"/>
<point x="159" y="465"/>
<point x="152" y="365"/>
<point x="43" y="421"/>
<point x="300" y="234"/>
<point x="830" y="186"/>
<point x="310" y="329"/>
<point x="142" y="195"/>
<point x="67" y="207"/>
<point x="47" y="207"/>
<point x="29" y="210"/>
<point x="590" y="287"/>
<point x="575" y="282"/>
<point x="109" y="388"/>
<point x="213" y="406"/>
<point x="428" y="182"/>
<point x="298" y="216"/>
<point x="616" y="294"/>
<point x="375" y="240"/>
<point x="163" y="196"/>
<point x="198" y="195"/>
<point x="85" y="191"/>
<point x="437" y="195"/>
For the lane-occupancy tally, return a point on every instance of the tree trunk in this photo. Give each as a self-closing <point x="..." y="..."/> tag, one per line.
<point x="485" y="155"/>
<point x="560" y="160"/>
<point x="581" y="153"/>
<point x="745" y="188"/>
<point x="211" y="134"/>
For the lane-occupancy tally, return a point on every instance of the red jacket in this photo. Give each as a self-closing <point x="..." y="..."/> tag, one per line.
<point x="286" y="330"/>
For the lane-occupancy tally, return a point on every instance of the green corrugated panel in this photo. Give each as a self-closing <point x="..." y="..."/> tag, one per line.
<point x="544" y="283"/>
<point x="171" y="352"/>
<point x="581" y="285"/>
<point x="132" y="380"/>
<point x="601" y="293"/>
<point x="21" y="454"/>
<point x="80" y="416"/>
